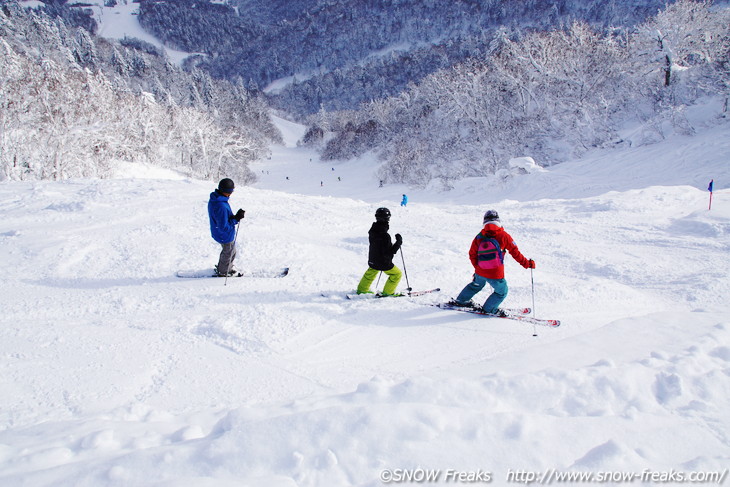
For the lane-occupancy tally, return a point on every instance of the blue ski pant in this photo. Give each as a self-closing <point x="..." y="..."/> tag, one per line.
<point x="499" y="292"/>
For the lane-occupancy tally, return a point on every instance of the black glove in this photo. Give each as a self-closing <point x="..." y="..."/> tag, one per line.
<point x="398" y="238"/>
<point x="239" y="215"/>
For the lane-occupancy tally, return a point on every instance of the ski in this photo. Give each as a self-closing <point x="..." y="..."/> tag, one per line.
<point x="421" y="293"/>
<point x="407" y="294"/>
<point x="511" y="311"/>
<point x="519" y="314"/>
<point x="192" y="274"/>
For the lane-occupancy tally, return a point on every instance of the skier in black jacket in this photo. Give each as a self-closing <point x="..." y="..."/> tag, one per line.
<point x="380" y="255"/>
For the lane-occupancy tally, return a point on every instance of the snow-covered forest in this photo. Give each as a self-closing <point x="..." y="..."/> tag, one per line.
<point x="451" y="97"/>
<point x="550" y="94"/>
<point x="73" y="105"/>
<point x="341" y="53"/>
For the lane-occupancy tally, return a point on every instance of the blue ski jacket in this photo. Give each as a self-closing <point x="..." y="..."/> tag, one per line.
<point x="222" y="223"/>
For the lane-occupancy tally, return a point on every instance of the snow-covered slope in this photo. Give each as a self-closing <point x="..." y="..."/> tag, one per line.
<point x="116" y="372"/>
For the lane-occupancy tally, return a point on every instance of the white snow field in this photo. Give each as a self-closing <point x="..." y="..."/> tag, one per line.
<point x="115" y="372"/>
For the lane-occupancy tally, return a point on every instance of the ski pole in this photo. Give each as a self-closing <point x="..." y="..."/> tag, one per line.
<point x="409" y="289"/>
<point x="230" y="259"/>
<point x="532" y="280"/>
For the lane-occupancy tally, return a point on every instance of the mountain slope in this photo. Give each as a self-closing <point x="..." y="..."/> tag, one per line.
<point x="115" y="372"/>
<point x="331" y="41"/>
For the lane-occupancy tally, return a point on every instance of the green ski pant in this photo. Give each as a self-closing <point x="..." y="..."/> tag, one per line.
<point x="394" y="276"/>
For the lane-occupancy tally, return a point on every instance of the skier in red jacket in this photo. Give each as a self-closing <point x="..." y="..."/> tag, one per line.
<point x="487" y="256"/>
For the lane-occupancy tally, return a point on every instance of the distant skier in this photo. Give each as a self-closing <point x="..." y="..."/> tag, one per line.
<point x="404" y="201"/>
<point x="223" y="226"/>
<point x="380" y="255"/>
<point x="487" y="257"/>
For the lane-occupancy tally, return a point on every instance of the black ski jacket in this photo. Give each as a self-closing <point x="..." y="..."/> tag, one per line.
<point x="382" y="248"/>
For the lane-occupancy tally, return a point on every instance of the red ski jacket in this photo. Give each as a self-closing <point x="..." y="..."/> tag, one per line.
<point x="506" y="243"/>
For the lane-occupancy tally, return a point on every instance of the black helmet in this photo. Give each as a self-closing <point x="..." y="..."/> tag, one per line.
<point x="382" y="215"/>
<point x="226" y="185"/>
<point x="490" y="216"/>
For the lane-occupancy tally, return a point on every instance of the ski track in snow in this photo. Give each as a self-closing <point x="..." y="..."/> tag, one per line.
<point x="115" y="372"/>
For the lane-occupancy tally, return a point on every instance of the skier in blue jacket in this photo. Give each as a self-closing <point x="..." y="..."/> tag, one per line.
<point x="223" y="226"/>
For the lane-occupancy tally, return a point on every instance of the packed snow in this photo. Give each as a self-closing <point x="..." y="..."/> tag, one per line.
<point x="115" y="372"/>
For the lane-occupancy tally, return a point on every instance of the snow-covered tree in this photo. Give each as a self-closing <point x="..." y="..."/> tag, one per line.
<point x="72" y="105"/>
<point x="553" y="94"/>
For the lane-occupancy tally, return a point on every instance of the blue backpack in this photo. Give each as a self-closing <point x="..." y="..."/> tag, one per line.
<point x="489" y="254"/>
